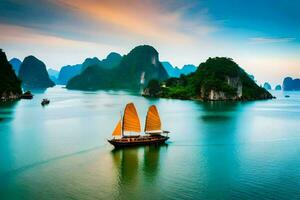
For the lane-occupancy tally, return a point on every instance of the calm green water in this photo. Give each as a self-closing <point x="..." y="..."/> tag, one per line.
<point x="216" y="151"/>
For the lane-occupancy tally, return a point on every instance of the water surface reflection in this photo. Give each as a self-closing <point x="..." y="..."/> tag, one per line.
<point x="135" y="165"/>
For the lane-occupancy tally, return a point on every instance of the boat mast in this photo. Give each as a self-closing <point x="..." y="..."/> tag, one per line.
<point x="146" y="122"/>
<point x="122" y="128"/>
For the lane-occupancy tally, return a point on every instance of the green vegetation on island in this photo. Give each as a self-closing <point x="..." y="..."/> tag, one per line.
<point x="216" y="79"/>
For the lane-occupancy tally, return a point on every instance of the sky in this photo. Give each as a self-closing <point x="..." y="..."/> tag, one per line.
<point x="262" y="36"/>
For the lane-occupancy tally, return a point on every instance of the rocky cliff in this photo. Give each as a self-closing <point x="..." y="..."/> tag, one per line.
<point x="234" y="82"/>
<point x="33" y="74"/>
<point x="10" y="85"/>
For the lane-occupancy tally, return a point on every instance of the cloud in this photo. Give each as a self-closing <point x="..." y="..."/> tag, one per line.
<point x="109" y="21"/>
<point x="265" y="40"/>
<point x="142" y="20"/>
<point x="74" y="24"/>
<point x="55" y="51"/>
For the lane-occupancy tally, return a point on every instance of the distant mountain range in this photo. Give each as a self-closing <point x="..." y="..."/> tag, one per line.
<point x="288" y="84"/>
<point x="68" y="72"/>
<point x="53" y="74"/>
<point x="131" y="71"/>
<point x="107" y="65"/>
<point x="176" y="72"/>
<point x="128" y="72"/>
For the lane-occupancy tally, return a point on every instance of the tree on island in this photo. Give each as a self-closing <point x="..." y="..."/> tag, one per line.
<point x="153" y="88"/>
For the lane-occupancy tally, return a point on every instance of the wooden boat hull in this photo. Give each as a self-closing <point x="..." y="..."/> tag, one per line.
<point x="26" y="97"/>
<point x="138" y="141"/>
<point x="45" y="102"/>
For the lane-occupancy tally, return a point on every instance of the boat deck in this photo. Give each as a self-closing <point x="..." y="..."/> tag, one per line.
<point x="141" y="140"/>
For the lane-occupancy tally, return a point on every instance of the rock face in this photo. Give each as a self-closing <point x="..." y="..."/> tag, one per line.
<point x="278" y="87"/>
<point x="10" y="85"/>
<point x="134" y="70"/>
<point x="216" y="79"/>
<point x="176" y="72"/>
<point x="290" y="84"/>
<point x="140" y="66"/>
<point x="215" y="95"/>
<point x="267" y="86"/>
<point x="16" y="63"/>
<point x="33" y="74"/>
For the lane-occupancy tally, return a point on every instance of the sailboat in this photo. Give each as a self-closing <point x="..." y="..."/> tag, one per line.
<point x="130" y="123"/>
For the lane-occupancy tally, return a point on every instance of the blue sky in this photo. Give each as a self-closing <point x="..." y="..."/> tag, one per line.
<point x="261" y="36"/>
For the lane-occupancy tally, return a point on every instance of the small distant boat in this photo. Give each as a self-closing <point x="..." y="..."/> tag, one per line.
<point x="45" y="102"/>
<point x="27" y="95"/>
<point x="130" y="123"/>
<point x="287" y="96"/>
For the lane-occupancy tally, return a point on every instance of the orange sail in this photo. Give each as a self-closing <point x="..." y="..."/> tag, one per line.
<point x="118" y="129"/>
<point x="153" y="123"/>
<point x="131" y="121"/>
